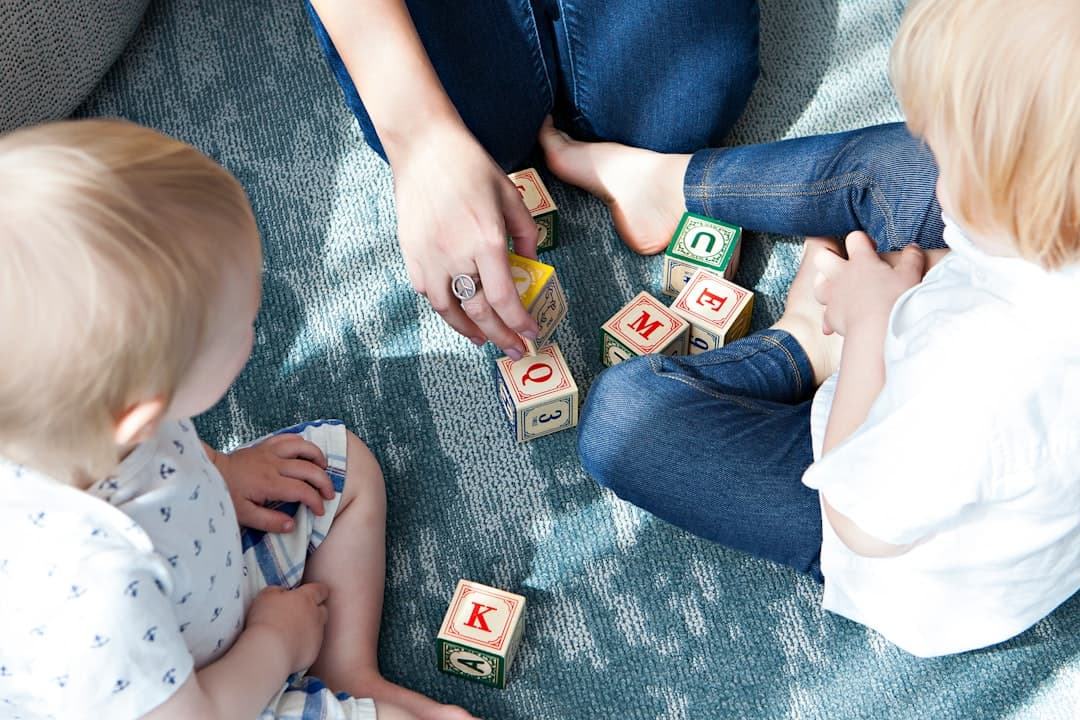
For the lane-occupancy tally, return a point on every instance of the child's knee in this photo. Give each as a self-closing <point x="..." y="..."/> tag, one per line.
<point x="363" y="475"/>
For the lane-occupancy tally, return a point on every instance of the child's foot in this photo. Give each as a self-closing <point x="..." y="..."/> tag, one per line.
<point x="419" y="706"/>
<point x="643" y="189"/>
<point x="803" y="314"/>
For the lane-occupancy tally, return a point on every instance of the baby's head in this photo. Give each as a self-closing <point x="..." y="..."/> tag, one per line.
<point x="129" y="282"/>
<point x="992" y="86"/>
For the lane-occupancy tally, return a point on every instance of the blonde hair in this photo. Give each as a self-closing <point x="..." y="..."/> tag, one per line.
<point x="993" y="86"/>
<point x="116" y="241"/>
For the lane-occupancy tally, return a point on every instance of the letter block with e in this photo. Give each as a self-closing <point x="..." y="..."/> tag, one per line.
<point x="700" y="242"/>
<point x="541" y="294"/>
<point x="481" y="632"/>
<point x="541" y="206"/>
<point x="641" y="327"/>
<point x="718" y="311"/>
<point x="538" y="393"/>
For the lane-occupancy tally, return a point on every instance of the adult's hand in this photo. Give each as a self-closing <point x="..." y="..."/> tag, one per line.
<point x="456" y="208"/>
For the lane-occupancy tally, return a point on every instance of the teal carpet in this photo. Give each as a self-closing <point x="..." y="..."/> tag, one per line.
<point x="628" y="618"/>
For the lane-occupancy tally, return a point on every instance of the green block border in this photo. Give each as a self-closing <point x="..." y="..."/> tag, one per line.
<point x="497" y="678"/>
<point x="670" y="252"/>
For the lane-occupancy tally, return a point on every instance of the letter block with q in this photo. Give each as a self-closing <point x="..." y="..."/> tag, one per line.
<point x="700" y="242"/>
<point x="643" y="326"/>
<point x="541" y="206"/>
<point x="538" y="393"/>
<point x="481" y="632"/>
<point x="718" y="311"/>
<point x="541" y="294"/>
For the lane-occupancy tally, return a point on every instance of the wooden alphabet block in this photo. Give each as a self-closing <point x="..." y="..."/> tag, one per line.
<point x="699" y="242"/>
<point x="718" y="311"/>
<point x="481" y="632"/>
<point x="643" y="326"/>
<point x="538" y="393"/>
<point x="540" y="205"/>
<point x="541" y="294"/>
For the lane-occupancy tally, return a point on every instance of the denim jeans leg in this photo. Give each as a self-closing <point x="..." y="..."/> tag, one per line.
<point x="878" y="179"/>
<point x="492" y="58"/>
<point x="715" y="443"/>
<point x="667" y="75"/>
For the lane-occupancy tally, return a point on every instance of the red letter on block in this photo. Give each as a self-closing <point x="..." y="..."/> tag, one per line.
<point x="643" y="326"/>
<point x="477" y="616"/>
<point x="714" y="301"/>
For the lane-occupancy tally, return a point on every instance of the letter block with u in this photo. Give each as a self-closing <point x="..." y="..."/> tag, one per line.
<point x="641" y="327"/>
<point x="700" y="242"/>
<point x="718" y="311"/>
<point x="538" y="393"/>
<point x="541" y="206"/>
<point x="480" y="633"/>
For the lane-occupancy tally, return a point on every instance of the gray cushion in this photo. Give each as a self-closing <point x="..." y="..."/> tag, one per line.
<point x="53" y="53"/>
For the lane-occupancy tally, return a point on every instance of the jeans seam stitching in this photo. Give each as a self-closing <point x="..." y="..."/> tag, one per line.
<point x="790" y="358"/>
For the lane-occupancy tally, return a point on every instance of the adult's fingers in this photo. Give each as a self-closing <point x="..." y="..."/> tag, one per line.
<point x="443" y="301"/>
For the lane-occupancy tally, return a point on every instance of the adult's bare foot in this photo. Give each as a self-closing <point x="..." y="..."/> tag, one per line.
<point x="803" y="314"/>
<point x="643" y="189"/>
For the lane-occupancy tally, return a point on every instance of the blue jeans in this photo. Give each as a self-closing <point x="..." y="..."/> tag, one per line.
<point x="714" y="443"/>
<point x="879" y="179"/>
<point x="669" y="75"/>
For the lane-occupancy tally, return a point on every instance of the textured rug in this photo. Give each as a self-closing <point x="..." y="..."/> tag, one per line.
<point x="628" y="618"/>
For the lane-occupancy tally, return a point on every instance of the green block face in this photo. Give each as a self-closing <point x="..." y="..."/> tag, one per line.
<point x="613" y="352"/>
<point x="704" y="242"/>
<point x="549" y="231"/>
<point x="472" y="664"/>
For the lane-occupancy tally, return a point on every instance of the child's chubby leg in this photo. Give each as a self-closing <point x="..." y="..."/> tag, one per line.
<point x="803" y="314"/>
<point x="352" y="562"/>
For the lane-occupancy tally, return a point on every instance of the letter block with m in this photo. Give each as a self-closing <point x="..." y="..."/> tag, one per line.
<point x="641" y="327"/>
<point x="718" y="311"/>
<point x="700" y="242"/>
<point x="481" y="632"/>
<point x="538" y="393"/>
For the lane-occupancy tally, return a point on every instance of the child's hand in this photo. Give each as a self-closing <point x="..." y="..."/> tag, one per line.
<point x="282" y="468"/>
<point x="297" y="617"/>
<point x="863" y="288"/>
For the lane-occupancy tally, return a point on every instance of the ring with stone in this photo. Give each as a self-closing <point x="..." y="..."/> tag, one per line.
<point x="465" y="286"/>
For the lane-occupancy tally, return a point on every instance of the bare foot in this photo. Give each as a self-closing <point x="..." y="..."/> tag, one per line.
<point x="803" y="314"/>
<point x="395" y="701"/>
<point x="643" y="189"/>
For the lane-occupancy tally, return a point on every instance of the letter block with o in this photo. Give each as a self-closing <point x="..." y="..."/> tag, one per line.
<point x="538" y="393"/>
<point x="481" y="632"/>
<point x="641" y="327"/>
<point x="700" y="242"/>
<point x="541" y="206"/>
<point x="541" y="294"/>
<point x="718" y="311"/>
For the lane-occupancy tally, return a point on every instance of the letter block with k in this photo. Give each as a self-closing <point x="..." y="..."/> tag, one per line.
<point x="641" y="327"/>
<point x="538" y="393"/>
<point x="481" y="632"/>
<point x="700" y="242"/>
<point x="541" y="206"/>
<point x="718" y="311"/>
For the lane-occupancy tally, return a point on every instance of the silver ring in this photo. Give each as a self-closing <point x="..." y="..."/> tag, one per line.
<point x="465" y="286"/>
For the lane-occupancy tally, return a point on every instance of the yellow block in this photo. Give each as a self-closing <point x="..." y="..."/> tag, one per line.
<point x="530" y="278"/>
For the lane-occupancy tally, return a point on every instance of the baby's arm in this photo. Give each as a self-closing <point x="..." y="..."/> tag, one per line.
<point x="283" y="634"/>
<point x="858" y="294"/>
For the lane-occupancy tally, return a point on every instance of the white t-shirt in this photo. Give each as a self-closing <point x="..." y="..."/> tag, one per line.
<point x="97" y="620"/>
<point x="971" y="451"/>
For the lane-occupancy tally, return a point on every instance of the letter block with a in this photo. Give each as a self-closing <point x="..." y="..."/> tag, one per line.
<point x="700" y="242"/>
<point x="541" y="294"/>
<point x="643" y="326"/>
<point x="481" y="632"/>
<point x="540" y="205"/>
<point x="538" y="393"/>
<point x="718" y="311"/>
